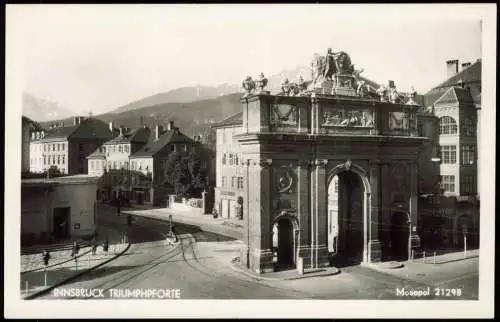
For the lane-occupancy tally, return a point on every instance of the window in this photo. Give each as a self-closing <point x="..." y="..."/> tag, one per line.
<point x="44" y="160"/>
<point x="233" y="182"/>
<point x="63" y="161"/>
<point x="468" y="185"/>
<point x="185" y="148"/>
<point x="63" y="146"/>
<point x="120" y="148"/>
<point x="53" y="147"/>
<point x="240" y="182"/>
<point x="336" y="186"/>
<point x="115" y="165"/>
<point x="92" y="165"/>
<point x="223" y="181"/>
<point x="230" y="159"/>
<point x="236" y="160"/>
<point x="127" y="150"/>
<point x="58" y="147"/>
<point x="224" y="138"/>
<point x="45" y="148"/>
<point x="468" y="127"/>
<point x="447" y="125"/>
<point x="448" y="154"/>
<point x="448" y="183"/>
<point x="467" y="154"/>
<point x="58" y="159"/>
<point x="224" y="158"/>
<point x="53" y="159"/>
<point x="80" y="147"/>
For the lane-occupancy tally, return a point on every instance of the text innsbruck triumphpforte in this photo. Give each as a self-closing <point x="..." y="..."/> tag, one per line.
<point x="117" y="293"/>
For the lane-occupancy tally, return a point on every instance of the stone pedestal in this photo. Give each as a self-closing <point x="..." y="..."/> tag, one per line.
<point x="344" y="85"/>
<point x="374" y="251"/>
<point x="261" y="261"/>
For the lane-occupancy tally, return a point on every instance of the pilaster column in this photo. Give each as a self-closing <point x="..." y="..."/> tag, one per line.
<point x="259" y="222"/>
<point x="245" y="251"/>
<point x="303" y="208"/>
<point x="374" y="251"/>
<point x="414" y="242"/>
<point x="314" y="114"/>
<point x="319" y="229"/>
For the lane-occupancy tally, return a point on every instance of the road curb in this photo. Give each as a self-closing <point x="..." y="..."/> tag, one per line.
<point x="202" y="227"/>
<point x="69" y="279"/>
<point x="236" y="267"/>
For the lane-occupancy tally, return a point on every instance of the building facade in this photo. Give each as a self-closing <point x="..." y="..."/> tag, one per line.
<point x="111" y="163"/>
<point x="30" y="131"/>
<point x="151" y="161"/>
<point x="451" y="216"/>
<point x="57" y="208"/>
<point x="66" y="147"/>
<point x="229" y="168"/>
<point x="332" y="131"/>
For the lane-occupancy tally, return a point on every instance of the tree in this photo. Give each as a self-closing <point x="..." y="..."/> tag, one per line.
<point x="197" y="171"/>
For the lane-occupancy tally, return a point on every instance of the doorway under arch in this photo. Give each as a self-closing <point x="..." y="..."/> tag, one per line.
<point x="283" y="237"/>
<point x="346" y="199"/>
<point x="399" y="235"/>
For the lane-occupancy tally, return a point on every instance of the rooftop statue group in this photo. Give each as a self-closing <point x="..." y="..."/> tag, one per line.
<point x="333" y="74"/>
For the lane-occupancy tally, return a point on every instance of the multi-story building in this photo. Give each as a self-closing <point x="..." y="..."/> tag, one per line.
<point x="151" y="161"/>
<point x="229" y="168"/>
<point x="111" y="162"/>
<point x="36" y="152"/>
<point x="66" y="147"/>
<point x="57" y="208"/>
<point x="30" y="131"/>
<point x="453" y="214"/>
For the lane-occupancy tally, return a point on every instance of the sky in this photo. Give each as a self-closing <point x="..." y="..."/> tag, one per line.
<point x="95" y="58"/>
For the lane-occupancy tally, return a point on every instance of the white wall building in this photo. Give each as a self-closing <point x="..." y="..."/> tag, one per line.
<point x="60" y="208"/>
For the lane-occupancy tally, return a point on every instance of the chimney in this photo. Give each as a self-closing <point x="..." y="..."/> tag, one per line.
<point x="451" y="68"/>
<point x="170" y="125"/>
<point x="37" y="135"/>
<point x="111" y="126"/>
<point x="81" y="119"/>
<point x="33" y="135"/>
<point x="121" y="130"/>
<point x="391" y="84"/>
<point x="465" y="65"/>
<point x="159" y="129"/>
<point x="42" y="134"/>
<point x="76" y="120"/>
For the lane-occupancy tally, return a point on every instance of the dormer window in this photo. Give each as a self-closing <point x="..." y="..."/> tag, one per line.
<point x="460" y="83"/>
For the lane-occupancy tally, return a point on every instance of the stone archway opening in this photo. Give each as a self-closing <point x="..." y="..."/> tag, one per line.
<point x="346" y="224"/>
<point x="284" y="243"/>
<point x="399" y="236"/>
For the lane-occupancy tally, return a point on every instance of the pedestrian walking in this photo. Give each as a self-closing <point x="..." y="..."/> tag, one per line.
<point x="75" y="249"/>
<point x="105" y="246"/>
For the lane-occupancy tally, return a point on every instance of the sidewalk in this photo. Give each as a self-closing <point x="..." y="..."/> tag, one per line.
<point x="290" y="274"/>
<point x="38" y="279"/>
<point x="447" y="258"/>
<point x="220" y="226"/>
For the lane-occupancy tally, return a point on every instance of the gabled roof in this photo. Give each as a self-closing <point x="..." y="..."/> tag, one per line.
<point x="235" y="119"/>
<point x="140" y="135"/>
<point x="97" y="154"/>
<point x="88" y="129"/>
<point x="155" y="146"/>
<point x="455" y="95"/>
<point x="62" y="132"/>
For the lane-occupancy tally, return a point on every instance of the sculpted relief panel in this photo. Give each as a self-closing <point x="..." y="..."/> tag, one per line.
<point x="284" y="115"/>
<point x="347" y="117"/>
<point x="399" y="120"/>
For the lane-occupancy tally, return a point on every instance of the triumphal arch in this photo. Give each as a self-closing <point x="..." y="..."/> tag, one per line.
<point x="330" y="169"/>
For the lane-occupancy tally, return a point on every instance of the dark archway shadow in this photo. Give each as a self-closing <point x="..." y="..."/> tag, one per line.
<point x="399" y="236"/>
